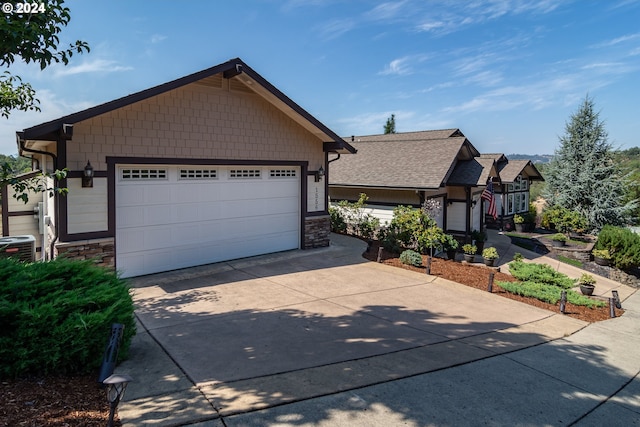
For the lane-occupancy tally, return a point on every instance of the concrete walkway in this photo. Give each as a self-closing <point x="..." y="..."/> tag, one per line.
<point x="324" y="338"/>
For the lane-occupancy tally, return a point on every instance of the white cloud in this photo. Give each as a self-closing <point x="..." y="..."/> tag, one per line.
<point x="157" y="38"/>
<point x="386" y="11"/>
<point x="402" y="66"/>
<point x="373" y="123"/>
<point x="336" y="28"/>
<point x="93" y="66"/>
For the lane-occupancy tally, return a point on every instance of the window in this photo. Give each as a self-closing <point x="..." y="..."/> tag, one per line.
<point x="524" y="205"/>
<point x="135" y="174"/>
<point x="244" y="173"/>
<point x="198" y="173"/>
<point x="282" y="173"/>
<point x="510" y="204"/>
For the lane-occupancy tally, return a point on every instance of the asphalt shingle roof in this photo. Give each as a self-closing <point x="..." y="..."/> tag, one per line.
<point x="421" y="160"/>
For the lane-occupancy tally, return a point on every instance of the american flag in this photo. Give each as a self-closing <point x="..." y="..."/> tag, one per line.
<point x="488" y="195"/>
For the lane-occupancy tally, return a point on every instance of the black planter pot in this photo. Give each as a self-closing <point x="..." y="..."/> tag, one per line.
<point x="557" y="243"/>
<point x="490" y="262"/>
<point x="451" y="254"/>
<point x="587" y="289"/>
<point x="469" y="257"/>
<point x="601" y="261"/>
<point x="519" y="228"/>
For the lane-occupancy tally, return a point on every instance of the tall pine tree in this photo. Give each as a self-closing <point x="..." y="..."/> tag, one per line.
<point x="583" y="175"/>
<point x="390" y="126"/>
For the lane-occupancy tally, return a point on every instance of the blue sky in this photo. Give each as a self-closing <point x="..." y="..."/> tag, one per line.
<point x="508" y="73"/>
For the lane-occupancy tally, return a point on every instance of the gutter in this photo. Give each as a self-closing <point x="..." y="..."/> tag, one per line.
<point x="21" y="147"/>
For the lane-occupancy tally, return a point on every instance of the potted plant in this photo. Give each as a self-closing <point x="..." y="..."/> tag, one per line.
<point x="469" y="252"/>
<point x="518" y="220"/>
<point x="449" y="245"/>
<point x="490" y="255"/>
<point x="558" y="239"/>
<point x="601" y="256"/>
<point x="587" y="284"/>
<point x="478" y="238"/>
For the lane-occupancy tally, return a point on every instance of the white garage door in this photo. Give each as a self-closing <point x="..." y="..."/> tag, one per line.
<point x="170" y="217"/>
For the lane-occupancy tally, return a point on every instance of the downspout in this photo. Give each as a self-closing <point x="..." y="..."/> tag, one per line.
<point x="54" y="158"/>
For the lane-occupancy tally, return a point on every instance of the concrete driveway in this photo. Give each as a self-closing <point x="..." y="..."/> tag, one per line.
<point x="232" y="338"/>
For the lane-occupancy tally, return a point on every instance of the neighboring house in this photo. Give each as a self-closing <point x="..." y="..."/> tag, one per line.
<point x="213" y="166"/>
<point x="409" y="168"/>
<point x="513" y="195"/>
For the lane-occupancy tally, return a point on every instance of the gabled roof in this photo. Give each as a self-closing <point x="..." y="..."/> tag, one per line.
<point x="233" y="69"/>
<point x="413" y="160"/>
<point x="510" y="171"/>
<point x="475" y="172"/>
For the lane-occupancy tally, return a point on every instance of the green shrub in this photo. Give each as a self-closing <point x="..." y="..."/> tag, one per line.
<point x="490" y="253"/>
<point x="541" y="273"/>
<point x="411" y="228"/>
<point x="57" y="316"/>
<point x="559" y="237"/>
<point x="548" y="293"/>
<point x="623" y="245"/>
<point x="410" y="257"/>
<point x="518" y="256"/>
<point x="469" y="249"/>
<point x="563" y="219"/>
<point x="338" y="224"/>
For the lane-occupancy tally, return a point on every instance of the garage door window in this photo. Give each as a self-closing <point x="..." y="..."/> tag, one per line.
<point x="139" y="174"/>
<point x="198" y="174"/>
<point x="244" y="173"/>
<point x="282" y="173"/>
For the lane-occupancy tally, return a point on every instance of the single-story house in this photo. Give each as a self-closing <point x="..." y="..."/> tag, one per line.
<point x="213" y="166"/>
<point x="442" y="165"/>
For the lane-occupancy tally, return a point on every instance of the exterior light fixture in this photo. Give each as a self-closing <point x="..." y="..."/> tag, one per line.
<point x="116" y="386"/>
<point x="319" y="174"/>
<point x="87" y="176"/>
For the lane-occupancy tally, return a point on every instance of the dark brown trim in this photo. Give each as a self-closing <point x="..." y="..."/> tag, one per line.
<point x="80" y="174"/>
<point x="190" y="161"/>
<point x="304" y="170"/>
<point x="91" y="235"/>
<point x="4" y="194"/>
<point x="20" y="213"/>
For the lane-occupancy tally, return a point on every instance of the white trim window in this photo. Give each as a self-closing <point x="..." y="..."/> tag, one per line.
<point x="518" y="196"/>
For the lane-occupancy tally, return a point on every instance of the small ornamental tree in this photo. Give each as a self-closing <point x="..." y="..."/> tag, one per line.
<point x="583" y="176"/>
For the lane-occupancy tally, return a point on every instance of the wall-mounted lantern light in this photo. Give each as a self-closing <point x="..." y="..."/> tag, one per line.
<point x="116" y="386"/>
<point x="319" y="174"/>
<point x="87" y="176"/>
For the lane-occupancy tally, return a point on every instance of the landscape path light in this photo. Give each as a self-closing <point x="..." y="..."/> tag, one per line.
<point x="116" y="385"/>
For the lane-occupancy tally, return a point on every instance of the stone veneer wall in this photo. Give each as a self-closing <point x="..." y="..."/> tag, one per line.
<point x="316" y="231"/>
<point x="99" y="250"/>
<point x="580" y="254"/>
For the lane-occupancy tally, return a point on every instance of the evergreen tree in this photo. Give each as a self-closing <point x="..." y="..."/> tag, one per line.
<point x="390" y="126"/>
<point x="583" y="175"/>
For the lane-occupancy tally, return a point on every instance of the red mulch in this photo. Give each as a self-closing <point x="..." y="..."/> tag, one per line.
<point x="477" y="276"/>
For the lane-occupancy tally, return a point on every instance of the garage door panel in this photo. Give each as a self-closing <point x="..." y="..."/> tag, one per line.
<point x="176" y="223"/>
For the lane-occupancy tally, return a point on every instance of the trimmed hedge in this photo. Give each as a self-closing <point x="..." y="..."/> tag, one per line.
<point x="548" y="293"/>
<point x="540" y="273"/>
<point x="57" y="316"/>
<point x="623" y="245"/>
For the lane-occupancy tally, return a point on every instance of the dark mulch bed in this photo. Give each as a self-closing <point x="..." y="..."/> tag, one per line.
<point x="54" y="401"/>
<point x="477" y="276"/>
